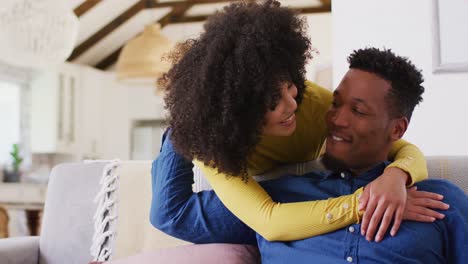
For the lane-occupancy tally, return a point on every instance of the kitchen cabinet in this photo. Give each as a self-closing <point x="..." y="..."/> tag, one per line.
<point x="93" y="84"/>
<point x="55" y="107"/>
<point x="87" y="113"/>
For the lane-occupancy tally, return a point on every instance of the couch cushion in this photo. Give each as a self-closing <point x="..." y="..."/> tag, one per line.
<point x="134" y="230"/>
<point x="207" y="253"/>
<point x="67" y="229"/>
<point x="128" y="231"/>
<point x="452" y="168"/>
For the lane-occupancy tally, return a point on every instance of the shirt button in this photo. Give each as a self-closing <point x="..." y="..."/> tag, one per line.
<point x="329" y="216"/>
<point x="343" y="175"/>
<point x="345" y="206"/>
<point x="351" y="229"/>
<point x="349" y="259"/>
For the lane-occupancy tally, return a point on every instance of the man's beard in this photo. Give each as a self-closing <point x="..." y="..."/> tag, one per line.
<point x="333" y="163"/>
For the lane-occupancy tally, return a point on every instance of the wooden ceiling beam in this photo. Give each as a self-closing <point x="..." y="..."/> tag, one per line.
<point x="325" y="2"/>
<point x="103" y="32"/>
<point x="175" y="14"/>
<point x="85" y="7"/>
<point x="304" y="10"/>
<point x="109" y="60"/>
<point x="157" y="4"/>
<point x="313" y="10"/>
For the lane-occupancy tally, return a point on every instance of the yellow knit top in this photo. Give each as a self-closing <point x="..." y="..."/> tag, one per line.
<point x="299" y="220"/>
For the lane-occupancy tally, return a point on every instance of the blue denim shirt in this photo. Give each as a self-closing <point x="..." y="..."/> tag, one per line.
<point x="202" y="218"/>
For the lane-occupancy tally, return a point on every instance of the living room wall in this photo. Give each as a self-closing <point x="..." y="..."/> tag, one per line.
<point x="439" y="125"/>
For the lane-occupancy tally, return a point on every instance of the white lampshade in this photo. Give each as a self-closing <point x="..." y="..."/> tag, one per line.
<point x="37" y="33"/>
<point x="142" y="57"/>
<point x="7" y="5"/>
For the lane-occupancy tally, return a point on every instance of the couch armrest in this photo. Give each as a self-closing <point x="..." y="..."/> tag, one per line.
<point x="19" y="250"/>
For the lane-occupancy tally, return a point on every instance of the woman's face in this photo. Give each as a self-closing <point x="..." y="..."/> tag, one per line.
<point x="281" y="121"/>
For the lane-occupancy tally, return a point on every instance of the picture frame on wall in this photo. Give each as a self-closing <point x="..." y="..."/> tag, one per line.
<point x="450" y="36"/>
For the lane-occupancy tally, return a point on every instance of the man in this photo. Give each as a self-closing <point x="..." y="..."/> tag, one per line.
<point x="371" y="109"/>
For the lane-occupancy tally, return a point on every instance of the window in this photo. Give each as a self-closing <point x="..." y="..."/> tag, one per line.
<point x="9" y="119"/>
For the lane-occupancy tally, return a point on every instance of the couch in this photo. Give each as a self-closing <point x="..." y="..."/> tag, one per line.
<point x="68" y="224"/>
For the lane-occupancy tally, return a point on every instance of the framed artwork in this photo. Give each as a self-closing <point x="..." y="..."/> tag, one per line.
<point x="450" y="36"/>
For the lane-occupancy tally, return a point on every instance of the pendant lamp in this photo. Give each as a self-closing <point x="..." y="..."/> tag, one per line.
<point x="37" y="33"/>
<point x="141" y="58"/>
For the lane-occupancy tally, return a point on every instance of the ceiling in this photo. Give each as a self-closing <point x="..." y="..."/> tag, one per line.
<point x="106" y="25"/>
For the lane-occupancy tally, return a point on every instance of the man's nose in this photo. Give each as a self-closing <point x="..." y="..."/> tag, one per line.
<point x="340" y="118"/>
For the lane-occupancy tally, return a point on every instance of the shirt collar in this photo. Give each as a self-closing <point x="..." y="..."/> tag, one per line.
<point x="321" y="171"/>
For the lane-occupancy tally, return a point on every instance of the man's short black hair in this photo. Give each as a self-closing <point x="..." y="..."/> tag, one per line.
<point x="404" y="77"/>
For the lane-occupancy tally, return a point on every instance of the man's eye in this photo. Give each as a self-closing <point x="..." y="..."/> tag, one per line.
<point x="355" y="110"/>
<point x="335" y="104"/>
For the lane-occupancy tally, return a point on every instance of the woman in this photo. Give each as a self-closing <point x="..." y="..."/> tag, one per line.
<point x="239" y="104"/>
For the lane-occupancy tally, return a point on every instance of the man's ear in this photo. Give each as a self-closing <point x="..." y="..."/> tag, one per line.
<point x="399" y="128"/>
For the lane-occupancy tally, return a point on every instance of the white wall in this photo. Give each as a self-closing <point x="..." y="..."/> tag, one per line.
<point x="320" y="33"/>
<point x="319" y="30"/>
<point x="440" y="123"/>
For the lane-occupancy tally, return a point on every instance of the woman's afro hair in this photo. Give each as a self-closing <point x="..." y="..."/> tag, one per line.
<point x="223" y="83"/>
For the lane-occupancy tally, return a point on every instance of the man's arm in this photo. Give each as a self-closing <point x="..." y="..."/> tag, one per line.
<point x="456" y="218"/>
<point x="457" y="223"/>
<point x="178" y="211"/>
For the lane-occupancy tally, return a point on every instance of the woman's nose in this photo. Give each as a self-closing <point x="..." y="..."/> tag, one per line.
<point x="291" y="99"/>
<point x="291" y="104"/>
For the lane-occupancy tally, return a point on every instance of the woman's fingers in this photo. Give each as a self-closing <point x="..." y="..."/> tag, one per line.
<point x="421" y="206"/>
<point x="400" y="212"/>
<point x="364" y="199"/>
<point x="430" y="203"/>
<point x="375" y="220"/>
<point x="423" y="194"/>
<point x="413" y="216"/>
<point x="386" y="220"/>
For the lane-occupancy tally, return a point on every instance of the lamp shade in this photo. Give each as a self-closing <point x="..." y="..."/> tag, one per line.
<point x="37" y="34"/>
<point x="141" y="57"/>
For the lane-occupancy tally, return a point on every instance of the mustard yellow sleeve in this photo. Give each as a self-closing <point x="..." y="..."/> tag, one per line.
<point x="281" y="221"/>
<point x="410" y="159"/>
